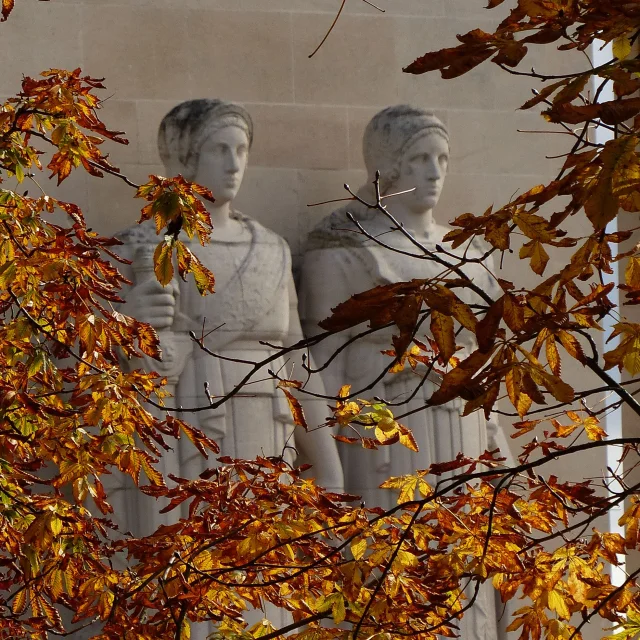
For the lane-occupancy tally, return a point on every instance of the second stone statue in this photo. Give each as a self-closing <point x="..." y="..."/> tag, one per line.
<point x="358" y="247"/>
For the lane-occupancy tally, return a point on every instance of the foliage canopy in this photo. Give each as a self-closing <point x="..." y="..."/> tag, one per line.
<point x="258" y="532"/>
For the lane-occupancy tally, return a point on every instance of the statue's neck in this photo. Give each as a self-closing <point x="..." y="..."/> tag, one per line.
<point x="420" y="224"/>
<point x="226" y="228"/>
<point x="220" y="215"/>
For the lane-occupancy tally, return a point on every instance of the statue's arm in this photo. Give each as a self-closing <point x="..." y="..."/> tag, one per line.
<point x="324" y="284"/>
<point x="145" y="299"/>
<point x="496" y="436"/>
<point x="316" y="445"/>
<point x="497" y="439"/>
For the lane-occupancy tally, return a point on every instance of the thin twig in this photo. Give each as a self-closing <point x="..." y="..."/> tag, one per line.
<point x="333" y="24"/>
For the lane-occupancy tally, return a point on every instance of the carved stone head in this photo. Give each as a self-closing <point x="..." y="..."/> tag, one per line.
<point x="390" y="134"/>
<point x="189" y="126"/>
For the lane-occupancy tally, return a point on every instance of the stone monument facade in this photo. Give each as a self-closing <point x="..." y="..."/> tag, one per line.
<point x="310" y="114"/>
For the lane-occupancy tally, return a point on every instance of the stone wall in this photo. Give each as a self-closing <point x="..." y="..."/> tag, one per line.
<point x="309" y="113"/>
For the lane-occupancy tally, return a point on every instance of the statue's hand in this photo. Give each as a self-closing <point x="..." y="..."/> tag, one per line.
<point x="150" y="302"/>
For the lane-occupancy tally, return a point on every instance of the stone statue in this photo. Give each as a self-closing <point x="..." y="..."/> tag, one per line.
<point x="410" y="149"/>
<point x="208" y="141"/>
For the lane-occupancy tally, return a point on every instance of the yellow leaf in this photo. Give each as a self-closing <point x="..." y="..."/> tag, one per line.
<point x="148" y="341"/>
<point x="625" y="354"/>
<point x="338" y="611"/>
<point x="537" y="253"/>
<point x="346" y="413"/>
<point x="557" y="603"/>
<point x="407" y="438"/>
<point x="523" y="404"/>
<point x="55" y="525"/>
<point x="572" y="346"/>
<point x="56" y="582"/>
<point x="262" y="628"/>
<point x="200" y="440"/>
<point x="7" y="274"/>
<point x="558" y="629"/>
<point x="404" y="560"/>
<point x="344" y="391"/>
<point x="382" y="413"/>
<point x="558" y="388"/>
<point x="515" y="624"/>
<point x="513" y="313"/>
<point x="205" y="281"/>
<point x="163" y="263"/>
<point x="593" y="429"/>
<point x="405" y="484"/>
<point x="155" y="477"/>
<point x="602" y="205"/>
<point x="250" y="547"/>
<point x="184" y="256"/>
<point x="424" y="488"/>
<point x="621" y="47"/>
<point x="358" y="548"/>
<point x="51" y="613"/>
<point x="464" y="315"/>
<point x="130" y="463"/>
<point x="563" y="431"/>
<point x="386" y="429"/>
<point x="553" y="357"/>
<point x="631" y="359"/>
<point x="36" y="364"/>
<point x="634" y="619"/>
<point x="513" y="382"/>
<point x="632" y="273"/>
<point x="295" y="407"/>
<point x="335" y="602"/>
<point x="533" y="226"/>
<point x="19" y="603"/>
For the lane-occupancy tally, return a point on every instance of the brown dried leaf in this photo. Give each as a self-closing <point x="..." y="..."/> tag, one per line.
<point x="454" y="381"/>
<point x="443" y="332"/>
<point x="487" y="328"/>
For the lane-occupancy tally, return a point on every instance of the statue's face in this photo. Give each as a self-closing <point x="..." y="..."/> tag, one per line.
<point x="423" y="168"/>
<point x="223" y="159"/>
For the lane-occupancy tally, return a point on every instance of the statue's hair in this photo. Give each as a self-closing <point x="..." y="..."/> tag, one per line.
<point x="185" y="128"/>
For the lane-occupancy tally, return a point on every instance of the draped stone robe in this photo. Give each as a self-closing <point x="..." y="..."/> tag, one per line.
<point x="251" y="303"/>
<point x="340" y="262"/>
<point x="254" y="294"/>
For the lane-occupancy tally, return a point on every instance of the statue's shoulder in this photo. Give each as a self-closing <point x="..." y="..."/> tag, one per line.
<point x="257" y="228"/>
<point x="144" y="233"/>
<point x="261" y="234"/>
<point x="337" y="230"/>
